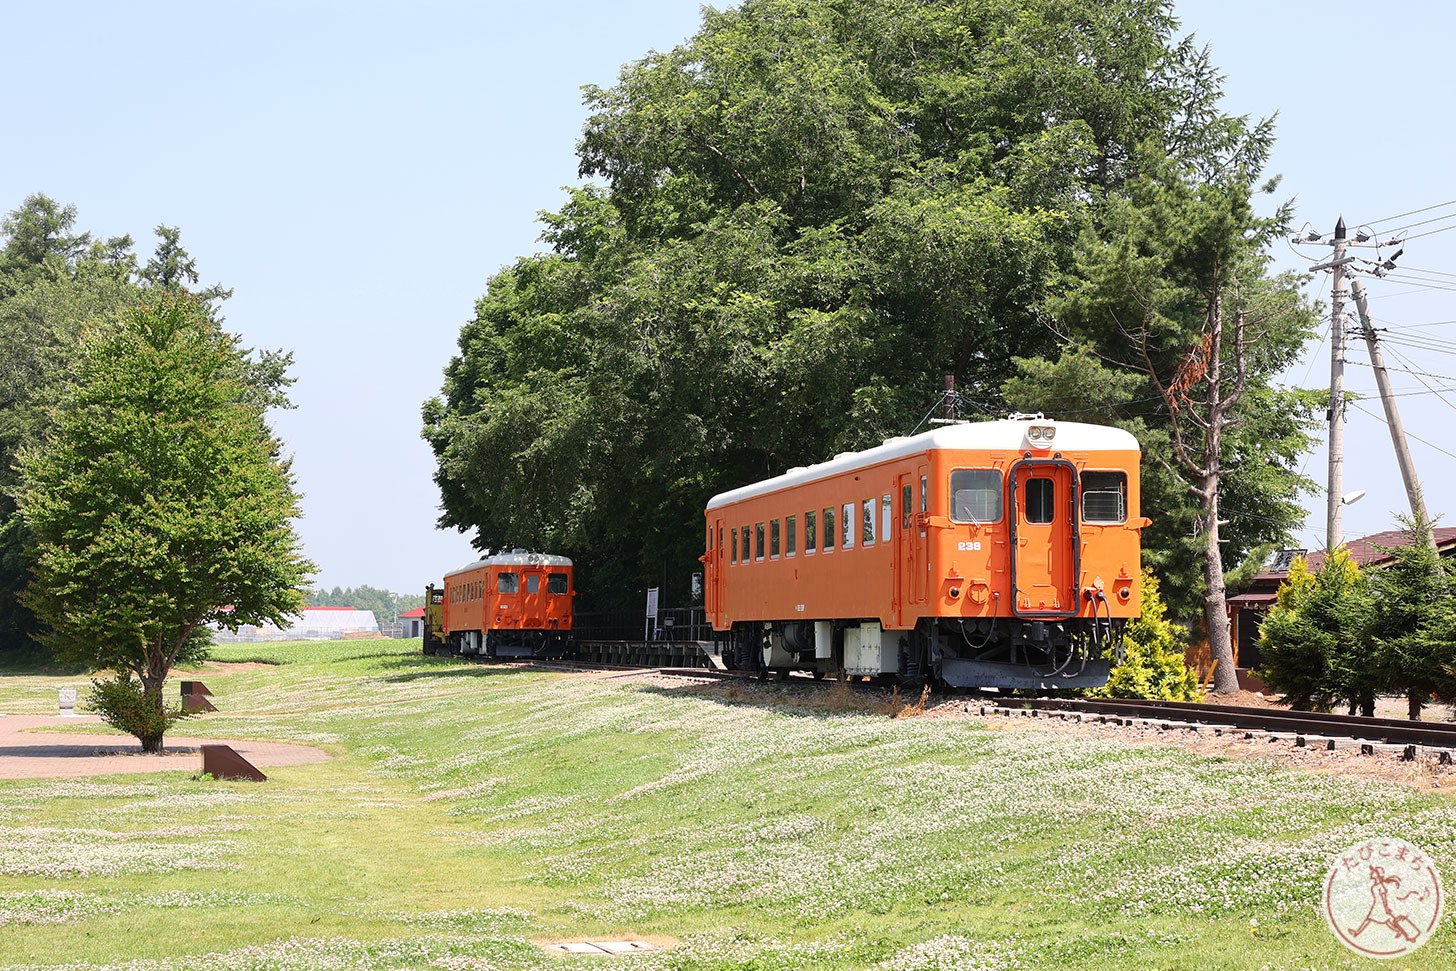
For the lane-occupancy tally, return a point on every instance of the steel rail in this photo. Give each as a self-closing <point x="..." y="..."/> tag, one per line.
<point x="1388" y="730"/>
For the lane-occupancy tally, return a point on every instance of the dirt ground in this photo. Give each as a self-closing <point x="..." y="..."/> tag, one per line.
<point x="27" y="751"/>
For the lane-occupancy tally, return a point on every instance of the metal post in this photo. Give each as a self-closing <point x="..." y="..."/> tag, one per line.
<point x="1334" y="537"/>
<point x="1392" y="414"/>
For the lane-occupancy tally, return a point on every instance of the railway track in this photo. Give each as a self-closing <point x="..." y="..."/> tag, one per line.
<point x="1311" y="729"/>
<point x="1371" y="736"/>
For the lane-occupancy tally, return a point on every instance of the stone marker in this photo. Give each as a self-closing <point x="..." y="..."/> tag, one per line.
<point x="222" y="762"/>
<point x="66" y="698"/>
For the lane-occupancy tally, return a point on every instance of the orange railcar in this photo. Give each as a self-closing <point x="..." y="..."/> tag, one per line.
<point x="515" y="604"/>
<point x="1002" y="553"/>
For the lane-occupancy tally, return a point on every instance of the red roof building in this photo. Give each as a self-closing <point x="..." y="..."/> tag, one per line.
<point x="412" y="622"/>
<point x="1247" y="609"/>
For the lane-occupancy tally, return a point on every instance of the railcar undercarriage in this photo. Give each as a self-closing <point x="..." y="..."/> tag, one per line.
<point x="505" y="643"/>
<point x="976" y="653"/>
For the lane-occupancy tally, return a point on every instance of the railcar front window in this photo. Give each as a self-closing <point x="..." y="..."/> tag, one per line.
<point x="975" y="496"/>
<point x="556" y="583"/>
<point x="1040" y="501"/>
<point x="1104" y="497"/>
<point x="533" y="583"/>
<point x="507" y="583"/>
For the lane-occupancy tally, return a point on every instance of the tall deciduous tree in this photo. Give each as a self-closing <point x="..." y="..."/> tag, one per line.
<point x="1174" y="285"/>
<point x="158" y="501"/>
<point x="812" y="210"/>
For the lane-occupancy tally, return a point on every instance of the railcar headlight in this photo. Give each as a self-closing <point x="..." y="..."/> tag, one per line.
<point x="1034" y="433"/>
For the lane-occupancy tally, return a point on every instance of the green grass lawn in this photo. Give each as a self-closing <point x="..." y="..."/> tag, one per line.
<point x="472" y="812"/>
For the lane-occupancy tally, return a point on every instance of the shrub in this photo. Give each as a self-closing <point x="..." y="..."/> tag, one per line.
<point x="1314" y="643"/>
<point x="1153" y="664"/>
<point x="123" y="704"/>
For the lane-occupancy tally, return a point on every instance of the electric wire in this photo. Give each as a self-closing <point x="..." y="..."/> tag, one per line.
<point x="1413" y="212"/>
<point x="1381" y="419"/>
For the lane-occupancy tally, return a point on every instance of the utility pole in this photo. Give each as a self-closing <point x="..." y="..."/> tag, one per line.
<point x="950" y="397"/>
<point x="1392" y="414"/>
<point x="1334" y="537"/>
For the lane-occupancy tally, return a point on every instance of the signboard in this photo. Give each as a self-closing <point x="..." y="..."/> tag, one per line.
<point x="67" y="700"/>
<point x="651" y="613"/>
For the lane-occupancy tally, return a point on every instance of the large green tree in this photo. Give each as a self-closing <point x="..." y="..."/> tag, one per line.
<point x="158" y="501"/>
<point x="58" y="286"/>
<point x="805" y="216"/>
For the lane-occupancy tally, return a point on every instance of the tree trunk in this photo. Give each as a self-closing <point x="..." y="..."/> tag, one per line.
<point x="1215" y="605"/>
<point x="1415" y="699"/>
<point x="152" y="698"/>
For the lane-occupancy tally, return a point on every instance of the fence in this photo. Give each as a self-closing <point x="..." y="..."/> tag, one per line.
<point x="676" y="625"/>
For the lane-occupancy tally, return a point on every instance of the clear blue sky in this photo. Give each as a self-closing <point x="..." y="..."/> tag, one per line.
<point x="357" y="171"/>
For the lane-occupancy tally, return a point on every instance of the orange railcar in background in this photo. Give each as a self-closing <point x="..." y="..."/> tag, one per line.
<point x="1001" y="553"/>
<point x="515" y="604"/>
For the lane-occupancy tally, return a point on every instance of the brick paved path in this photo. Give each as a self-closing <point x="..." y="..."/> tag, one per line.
<point x="39" y="755"/>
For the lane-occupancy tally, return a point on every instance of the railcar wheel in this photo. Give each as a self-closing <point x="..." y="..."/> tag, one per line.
<point x="781" y="674"/>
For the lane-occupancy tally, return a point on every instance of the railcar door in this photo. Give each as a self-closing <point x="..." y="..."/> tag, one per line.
<point x="1044" y="553"/>
<point x="910" y="543"/>
<point x="712" y="559"/>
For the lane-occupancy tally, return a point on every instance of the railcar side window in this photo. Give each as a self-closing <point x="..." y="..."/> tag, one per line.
<point x="810" y="533"/>
<point x="735" y="546"/>
<point x="556" y="583"/>
<point x="905" y="499"/>
<point x="827" y="545"/>
<point x="975" y="496"/>
<point x="773" y="539"/>
<point x="791" y="536"/>
<point x="758" y="541"/>
<point x="847" y="525"/>
<point x="867" y="522"/>
<point x="744" y="557"/>
<point x="886" y="518"/>
<point x="533" y="583"/>
<point x="1104" y="497"/>
<point x="1040" y="500"/>
<point x="507" y="583"/>
<point x="925" y="493"/>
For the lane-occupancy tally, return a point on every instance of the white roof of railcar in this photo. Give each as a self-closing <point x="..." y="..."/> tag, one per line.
<point x="1007" y="434"/>
<point x="515" y="558"/>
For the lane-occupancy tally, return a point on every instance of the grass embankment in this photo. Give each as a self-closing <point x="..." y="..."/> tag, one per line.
<point x="472" y="811"/>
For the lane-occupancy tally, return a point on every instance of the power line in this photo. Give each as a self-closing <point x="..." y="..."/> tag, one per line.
<point x="1423" y="222"/>
<point x="1444" y="400"/>
<point x="1413" y="212"/>
<point x="1381" y="418"/>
